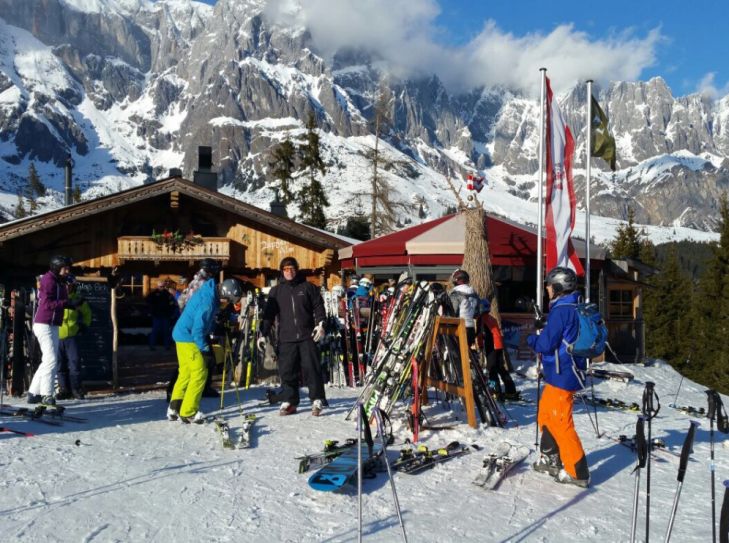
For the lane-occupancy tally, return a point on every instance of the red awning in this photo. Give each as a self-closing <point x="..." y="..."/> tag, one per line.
<point x="441" y="242"/>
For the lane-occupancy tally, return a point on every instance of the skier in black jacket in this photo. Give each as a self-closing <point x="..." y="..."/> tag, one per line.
<point x="300" y="310"/>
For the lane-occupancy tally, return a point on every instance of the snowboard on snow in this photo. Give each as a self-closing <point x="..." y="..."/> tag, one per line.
<point x="343" y="468"/>
<point x="497" y="465"/>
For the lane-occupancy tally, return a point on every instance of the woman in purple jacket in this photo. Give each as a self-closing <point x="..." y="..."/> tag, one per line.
<point x="52" y="300"/>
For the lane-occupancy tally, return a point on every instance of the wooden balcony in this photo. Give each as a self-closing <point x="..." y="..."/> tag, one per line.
<point x="143" y="248"/>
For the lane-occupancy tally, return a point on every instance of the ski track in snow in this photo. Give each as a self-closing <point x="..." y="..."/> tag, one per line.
<point x="138" y="477"/>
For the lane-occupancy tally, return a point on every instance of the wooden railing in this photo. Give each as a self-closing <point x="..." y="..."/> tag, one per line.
<point x="143" y="248"/>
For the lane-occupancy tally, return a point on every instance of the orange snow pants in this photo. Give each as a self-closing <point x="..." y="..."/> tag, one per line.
<point x="555" y="418"/>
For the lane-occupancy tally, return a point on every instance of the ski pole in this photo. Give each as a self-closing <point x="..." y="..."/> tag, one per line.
<point x="649" y="412"/>
<point x="710" y="394"/>
<point x="359" y="471"/>
<point x="675" y="398"/>
<point x="594" y="403"/>
<point x="724" y="516"/>
<point x="641" y="448"/>
<point x="685" y="453"/>
<point x="716" y="412"/>
<point x="381" y="430"/>
<point x="539" y="395"/>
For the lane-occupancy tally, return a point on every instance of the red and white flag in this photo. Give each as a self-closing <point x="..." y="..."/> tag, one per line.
<point x="561" y="202"/>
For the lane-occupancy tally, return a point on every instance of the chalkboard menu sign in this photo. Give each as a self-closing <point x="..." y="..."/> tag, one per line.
<point x="95" y="343"/>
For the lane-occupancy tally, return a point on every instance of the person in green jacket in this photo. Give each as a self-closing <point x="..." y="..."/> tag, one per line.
<point x="74" y="321"/>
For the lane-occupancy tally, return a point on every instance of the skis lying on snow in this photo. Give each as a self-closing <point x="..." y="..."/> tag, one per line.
<point x="332" y="449"/>
<point x="611" y="403"/>
<point x="689" y="410"/>
<point x="417" y="460"/>
<point x="57" y="412"/>
<point x="244" y="439"/>
<point x="30" y="414"/>
<point x="223" y="428"/>
<point x="658" y="444"/>
<point x="624" y="376"/>
<point x="498" y="464"/>
<point x="343" y="468"/>
<point x="16" y="432"/>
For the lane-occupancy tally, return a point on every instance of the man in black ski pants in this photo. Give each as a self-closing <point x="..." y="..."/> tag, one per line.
<point x="300" y="310"/>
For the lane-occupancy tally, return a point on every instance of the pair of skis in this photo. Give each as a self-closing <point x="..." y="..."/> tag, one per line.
<point x="414" y="461"/>
<point x="52" y="415"/>
<point x="244" y="438"/>
<point x="497" y="465"/>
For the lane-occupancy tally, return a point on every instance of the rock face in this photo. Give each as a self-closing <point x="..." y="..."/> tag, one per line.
<point x="135" y="86"/>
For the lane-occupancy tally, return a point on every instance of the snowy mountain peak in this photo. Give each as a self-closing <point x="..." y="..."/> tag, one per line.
<point x="139" y="89"/>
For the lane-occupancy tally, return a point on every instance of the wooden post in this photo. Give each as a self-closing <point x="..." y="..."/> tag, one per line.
<point x="114" y="341"/>
<point x="451" y="326"/>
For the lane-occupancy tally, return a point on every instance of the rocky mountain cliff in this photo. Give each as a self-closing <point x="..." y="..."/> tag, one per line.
<point x="130" y="88"/>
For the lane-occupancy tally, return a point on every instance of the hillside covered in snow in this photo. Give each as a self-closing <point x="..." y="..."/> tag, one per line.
<point x="130" y="475"/>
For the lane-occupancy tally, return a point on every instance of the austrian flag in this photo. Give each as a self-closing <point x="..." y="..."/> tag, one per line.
<point x="561" y="202"/>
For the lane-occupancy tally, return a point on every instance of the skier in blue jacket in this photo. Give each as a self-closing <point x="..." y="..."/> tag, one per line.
<point x="191" y="334"/>
<point x="562" y="455"/>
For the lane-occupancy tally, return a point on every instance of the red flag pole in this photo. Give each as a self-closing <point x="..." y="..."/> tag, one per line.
<point x="587" y="190"/>
<point x="540" y="222"/>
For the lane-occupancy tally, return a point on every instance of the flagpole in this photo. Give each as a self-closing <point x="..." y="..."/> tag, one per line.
<point x="588" y="153"/>
<point x="540" y="222"/>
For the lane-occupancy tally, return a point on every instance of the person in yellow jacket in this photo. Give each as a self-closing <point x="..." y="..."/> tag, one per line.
<point x="75" y="320"/>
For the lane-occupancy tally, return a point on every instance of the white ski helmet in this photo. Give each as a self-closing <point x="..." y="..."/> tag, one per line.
<point x="365" y="282"/>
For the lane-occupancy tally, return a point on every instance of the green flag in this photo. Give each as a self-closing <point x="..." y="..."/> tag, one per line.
<point x="603" y="144"/>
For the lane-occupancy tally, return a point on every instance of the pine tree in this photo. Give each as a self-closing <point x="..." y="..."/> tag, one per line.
<point x="710" y="331"/>
<point x="666" y="311"/>
<point x="19" y="212"/>
<point x="312" y="198"/>
<point x="283" y="165"/>
<point x="76" y="194"/>
<point x="35" y="186"/>
<point x="627" y="242"/>
<point x="383" y="214"/>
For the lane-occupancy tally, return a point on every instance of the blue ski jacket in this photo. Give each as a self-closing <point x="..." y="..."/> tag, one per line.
<point x="198" y="317"/>
<point x="560" y="369"/>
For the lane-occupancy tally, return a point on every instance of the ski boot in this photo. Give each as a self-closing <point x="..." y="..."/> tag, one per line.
<point x="287" y="409"/>
<point x="173" y="410"/>
<point x="197" y="418"/>
<point x="548" y="463"/>
<point x="317" y="407"/>
<point x="567" y="479"/>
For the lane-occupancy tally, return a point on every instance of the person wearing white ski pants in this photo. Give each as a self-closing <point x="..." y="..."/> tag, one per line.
<point x="45" y="376"/>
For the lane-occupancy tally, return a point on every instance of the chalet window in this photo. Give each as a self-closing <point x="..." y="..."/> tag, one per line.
<point x="133" y="285"/>
<point x="621" y="304"/>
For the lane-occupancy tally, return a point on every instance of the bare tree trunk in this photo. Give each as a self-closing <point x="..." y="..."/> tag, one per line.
<point x="373" y="217"/>
<point x="477" y="258"/>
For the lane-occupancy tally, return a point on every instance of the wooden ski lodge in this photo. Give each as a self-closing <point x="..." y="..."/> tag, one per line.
<point x="157" y="231"/>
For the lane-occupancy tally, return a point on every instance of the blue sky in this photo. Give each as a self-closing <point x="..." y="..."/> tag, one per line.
<point x="470" y="42"/>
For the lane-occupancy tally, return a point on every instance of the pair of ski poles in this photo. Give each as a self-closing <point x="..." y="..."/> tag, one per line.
<point x="364" y="425"/>
<point x="643" y="449"/>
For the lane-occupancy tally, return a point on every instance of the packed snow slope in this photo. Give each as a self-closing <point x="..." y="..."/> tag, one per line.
<point x="137" y="477"/>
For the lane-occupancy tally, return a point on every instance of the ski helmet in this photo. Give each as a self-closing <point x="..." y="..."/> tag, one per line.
<point x="288" y="261"/>
<point x="365" y="282"/>
<point x="460" y="277"/>
<point x="353" y="281"/>
<point x="562" y="280"/>
<point x="231" y="290"/>
<point x="58" y="262"/>
<point x="210" y="266"/>
<point x="338" y="291"/>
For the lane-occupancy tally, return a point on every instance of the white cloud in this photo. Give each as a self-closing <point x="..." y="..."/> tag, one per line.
<point x="402" y="32"/>
<point x="707" y="87"/>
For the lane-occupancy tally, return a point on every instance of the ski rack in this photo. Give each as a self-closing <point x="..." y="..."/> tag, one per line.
<point x="451" y="326"/>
